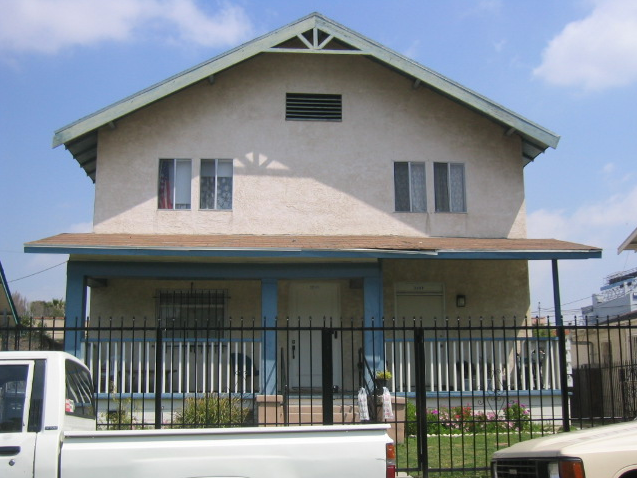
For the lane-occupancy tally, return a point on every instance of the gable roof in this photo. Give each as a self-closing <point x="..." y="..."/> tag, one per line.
<point x="313" y="34"/>
<point x="7" y="307"/>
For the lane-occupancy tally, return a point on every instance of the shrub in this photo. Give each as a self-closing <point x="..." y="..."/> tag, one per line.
<point x="411" y="427"/>
<point x="119" y="416"/>
<point x="212" y="411"/>
<point x="463" y="419"/>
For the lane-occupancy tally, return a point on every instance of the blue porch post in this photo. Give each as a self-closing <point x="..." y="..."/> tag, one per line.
<point x="269" y="310"/>
<point x="75" y="309"/>
<point x="373" y="302"/>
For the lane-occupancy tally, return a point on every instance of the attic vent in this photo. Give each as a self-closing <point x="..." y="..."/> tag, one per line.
<point x="313" y="107"/>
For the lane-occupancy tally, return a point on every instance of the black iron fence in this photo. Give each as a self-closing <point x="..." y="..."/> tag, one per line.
<point x="453" y="391"/>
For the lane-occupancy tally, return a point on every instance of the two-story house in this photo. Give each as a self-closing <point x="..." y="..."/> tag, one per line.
<point x="308" y="173"/>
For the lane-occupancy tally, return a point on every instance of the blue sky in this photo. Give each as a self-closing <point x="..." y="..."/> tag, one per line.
<point x="570" y="66"/>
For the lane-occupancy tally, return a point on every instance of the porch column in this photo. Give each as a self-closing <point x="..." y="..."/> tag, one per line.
<point x="566" y="380"/>
<point x="75" y="310"/>
<point x="373" y="300"/>
<point x="269" y="311"/>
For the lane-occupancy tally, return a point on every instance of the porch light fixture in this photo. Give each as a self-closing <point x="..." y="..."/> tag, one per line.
<point x="461" y="301"/>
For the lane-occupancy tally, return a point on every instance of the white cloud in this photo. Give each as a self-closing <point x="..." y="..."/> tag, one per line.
<point x="617" y="211"/>
<point x="48" y="26"/>
<point x="81" y="227"/>
<point x="596" y="52"/>
<point x="605" y="224"/>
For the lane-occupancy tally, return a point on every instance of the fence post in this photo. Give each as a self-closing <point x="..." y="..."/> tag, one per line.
<point x="421" y="401"/>
<point x="159" y="377"/>
<point x="328" y="376"/>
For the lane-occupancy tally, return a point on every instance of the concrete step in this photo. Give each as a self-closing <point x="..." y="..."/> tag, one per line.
<point x="305" y="414"/>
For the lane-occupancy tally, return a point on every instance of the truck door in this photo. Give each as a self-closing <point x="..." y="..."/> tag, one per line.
<point x="20" y="418"/>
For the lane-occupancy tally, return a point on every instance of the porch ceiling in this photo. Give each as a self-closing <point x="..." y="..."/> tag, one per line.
<point x="280" y="246"/>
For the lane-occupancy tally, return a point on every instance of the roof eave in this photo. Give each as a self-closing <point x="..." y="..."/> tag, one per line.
<point x="630" y="244"/>
<point x="283" y="252"/>
<point x="535" y="135"/>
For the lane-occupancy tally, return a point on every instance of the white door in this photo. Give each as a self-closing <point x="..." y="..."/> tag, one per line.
<point x="314" y="300"/>
<point x="17" y="444"/>
<point x="420" y="300"/>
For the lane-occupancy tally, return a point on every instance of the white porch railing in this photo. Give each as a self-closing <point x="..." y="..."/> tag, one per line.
<point x="188" y="366"/>
<point x="470" y="365"/>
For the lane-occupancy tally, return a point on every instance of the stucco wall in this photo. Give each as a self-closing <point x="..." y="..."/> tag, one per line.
<point x="491" y="288"/>
<point x="130" y="298"/>
<point x="293" y="177"/>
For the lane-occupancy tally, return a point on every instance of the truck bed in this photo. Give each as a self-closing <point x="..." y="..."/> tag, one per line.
<point x="232" y="452"/>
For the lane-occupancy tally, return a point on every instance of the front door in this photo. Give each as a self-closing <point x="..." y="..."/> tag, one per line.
<point x="310" y="302"/>
<point x="17" y="442"/>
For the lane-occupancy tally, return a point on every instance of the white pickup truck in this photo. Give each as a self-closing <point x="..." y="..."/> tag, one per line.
<point x="602" y="452"/>
<point x="47" y="430"/>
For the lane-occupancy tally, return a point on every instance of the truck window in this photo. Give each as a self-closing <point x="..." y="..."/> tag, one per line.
<point x="13" y="384"/>
<point x="79" y="391"/>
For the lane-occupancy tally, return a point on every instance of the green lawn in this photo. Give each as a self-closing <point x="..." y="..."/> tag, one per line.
<point x="457" y="452"/>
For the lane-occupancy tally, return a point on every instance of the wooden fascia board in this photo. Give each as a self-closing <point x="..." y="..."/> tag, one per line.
<point x="287" y="253"/>
<point x="179" y="81"/>
<point x="439" y="82"/>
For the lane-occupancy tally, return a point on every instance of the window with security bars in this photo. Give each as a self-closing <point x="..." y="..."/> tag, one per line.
<point x="313" y="107"/>
<point x="193" y="313"/>
<point x="410" y="193"/>
<point x="216" y="184"/>
<point x="449" y="187"/>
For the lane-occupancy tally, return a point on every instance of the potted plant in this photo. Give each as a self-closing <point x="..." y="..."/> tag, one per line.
<point x="382" y="378"/>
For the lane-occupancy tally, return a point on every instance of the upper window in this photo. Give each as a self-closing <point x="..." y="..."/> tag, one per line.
<point x="449" y="187"/>
<point x="216" y="184"/>
<point x="409" y="187"/>
<point x="313" y="107"/>
<point x="174" y="184"/>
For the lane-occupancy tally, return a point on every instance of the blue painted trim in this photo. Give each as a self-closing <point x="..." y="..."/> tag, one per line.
<point x="169" y="341"/>
<point x="269" y="311"/>
<point x="180" y="270"/>
<point x="477" y="339"/>
<point x="251" y="396"/>
<point x="168" y="396"/>
<point x="318" y="254"/>
<point x="75" y="309"/>
<point x="512" y="394"/>
<point x="373" y="339"/>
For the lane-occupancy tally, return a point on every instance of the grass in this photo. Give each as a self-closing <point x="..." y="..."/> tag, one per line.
<point x="457" y="453"/>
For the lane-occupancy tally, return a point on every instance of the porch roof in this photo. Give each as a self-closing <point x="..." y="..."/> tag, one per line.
<point x="630" y="244"/>
<point x="302" y="246"/>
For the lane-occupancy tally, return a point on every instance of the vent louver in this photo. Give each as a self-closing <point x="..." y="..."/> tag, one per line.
<point x="313" y="107"/>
